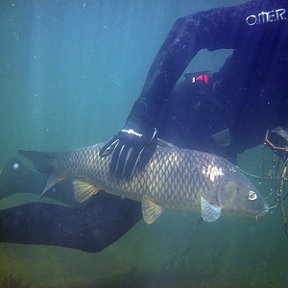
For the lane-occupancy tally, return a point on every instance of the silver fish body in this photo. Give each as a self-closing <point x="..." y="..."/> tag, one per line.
<point x="173" y="178"/>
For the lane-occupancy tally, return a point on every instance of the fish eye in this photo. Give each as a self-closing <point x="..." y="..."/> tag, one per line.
<point x="252" y="195"/>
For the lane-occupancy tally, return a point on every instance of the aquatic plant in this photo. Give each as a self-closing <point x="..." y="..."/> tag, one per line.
<point x="11" y="281"/>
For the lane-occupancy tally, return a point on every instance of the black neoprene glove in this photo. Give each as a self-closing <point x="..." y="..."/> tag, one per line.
<point x="132" y="146"/>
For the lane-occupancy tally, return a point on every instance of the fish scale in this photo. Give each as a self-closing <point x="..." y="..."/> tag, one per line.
<point x="173" y="178"/>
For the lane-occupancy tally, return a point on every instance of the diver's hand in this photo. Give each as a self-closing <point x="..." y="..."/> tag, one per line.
<point x="132" y="146"/>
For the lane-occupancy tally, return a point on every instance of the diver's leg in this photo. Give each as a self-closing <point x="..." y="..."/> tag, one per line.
<point x="91" y="229"/>
<point x="103" y="220"/>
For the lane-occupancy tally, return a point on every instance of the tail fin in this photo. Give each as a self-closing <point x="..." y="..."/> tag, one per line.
<point x="42" y="161"/>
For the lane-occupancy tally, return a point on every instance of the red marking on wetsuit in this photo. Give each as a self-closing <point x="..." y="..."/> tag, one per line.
<point x="203" y="77"/>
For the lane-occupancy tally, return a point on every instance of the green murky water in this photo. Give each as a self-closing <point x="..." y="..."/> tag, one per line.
<point x="70" y="72"/>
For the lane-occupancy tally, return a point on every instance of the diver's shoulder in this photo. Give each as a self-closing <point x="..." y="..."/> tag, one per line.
<point x="269" y="5"/>
<point x="255" y="6"/>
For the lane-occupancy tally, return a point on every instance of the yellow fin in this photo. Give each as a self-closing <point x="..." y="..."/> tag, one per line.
<point x="150" y="210"/>
<point x="83" y="190"/>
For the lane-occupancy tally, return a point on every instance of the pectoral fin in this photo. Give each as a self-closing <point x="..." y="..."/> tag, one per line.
<point x="150" y="210"/>
<point x="209" y="213"/>
<point x="83" y="190"/>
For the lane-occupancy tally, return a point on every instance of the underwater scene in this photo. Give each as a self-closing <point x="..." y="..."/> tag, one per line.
<point x="70" y="74"/>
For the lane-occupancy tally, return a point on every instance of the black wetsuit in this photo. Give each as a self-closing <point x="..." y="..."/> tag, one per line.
<point x="103" y="219"/>
<point x="249" y="92"/>
<point x="252" y="85"/>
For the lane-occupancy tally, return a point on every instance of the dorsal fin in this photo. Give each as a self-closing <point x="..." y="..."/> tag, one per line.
<point x="166" y="144"/>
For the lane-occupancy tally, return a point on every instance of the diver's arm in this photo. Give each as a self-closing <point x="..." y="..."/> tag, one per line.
<point x="222" y="28"/>
<point x="213" y="29"/>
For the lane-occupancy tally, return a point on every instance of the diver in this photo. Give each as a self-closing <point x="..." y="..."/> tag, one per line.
<point x="225" y="112"/>
<point x="94" y="225"/>
<point x="251" y="88"/>
<point x="104" y="218"/>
